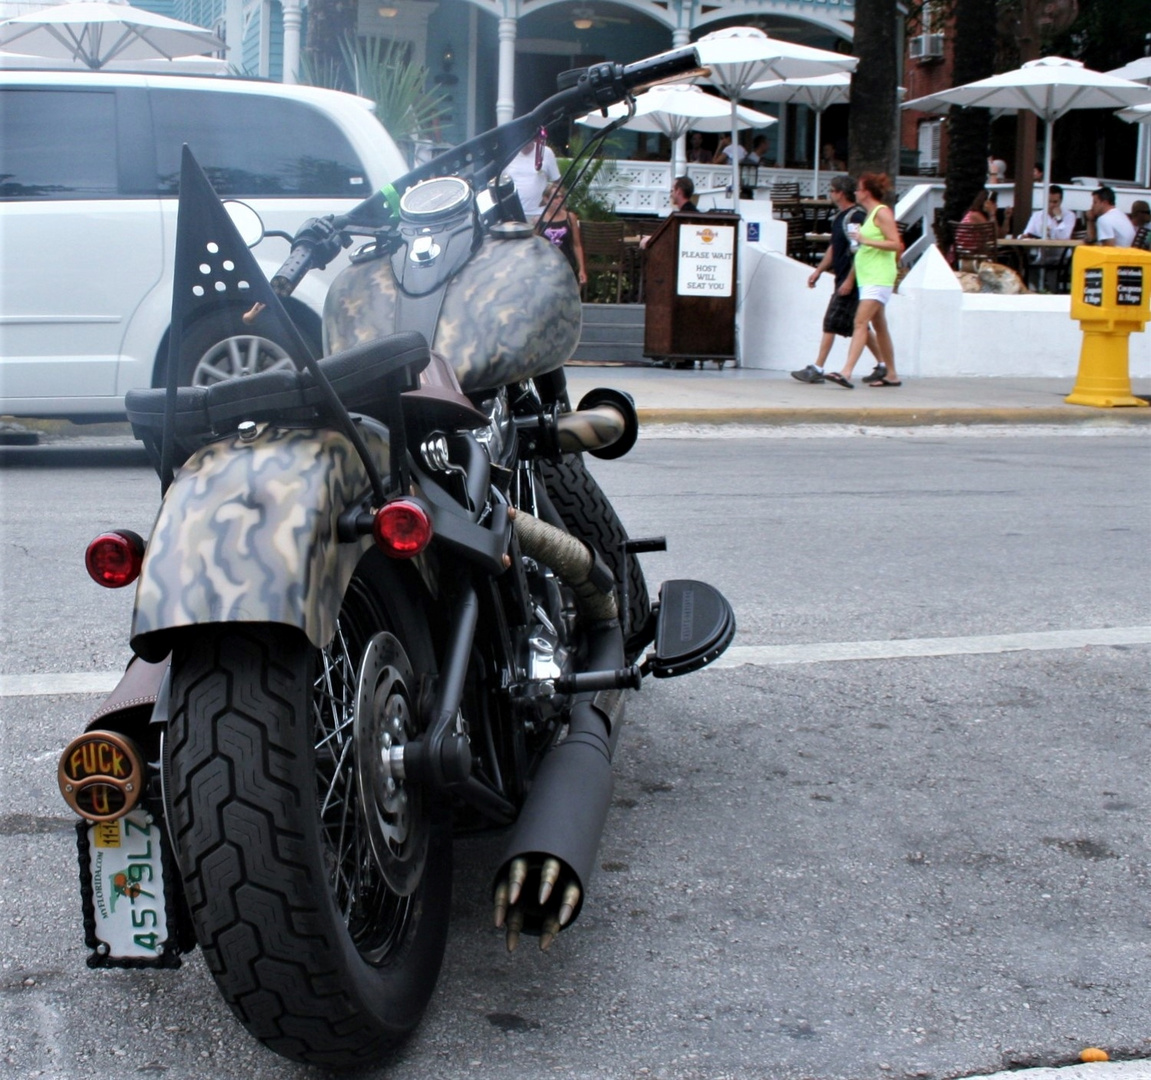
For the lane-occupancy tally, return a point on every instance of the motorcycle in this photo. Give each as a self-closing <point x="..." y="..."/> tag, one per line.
<point x="384" y="604"/>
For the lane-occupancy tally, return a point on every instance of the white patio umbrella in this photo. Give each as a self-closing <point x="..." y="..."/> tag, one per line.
<point x="818" y="94"/>
<point x="1138" y="71"/>
<point x="741" y="56"/>
<point x="1048" y="87"/>
<point x="1137" y="114"/>
<point x="674" y="109"/>
<point x="93" y="32"/>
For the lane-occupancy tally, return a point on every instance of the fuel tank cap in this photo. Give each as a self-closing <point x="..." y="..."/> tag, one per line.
<point x="512" y="230"/>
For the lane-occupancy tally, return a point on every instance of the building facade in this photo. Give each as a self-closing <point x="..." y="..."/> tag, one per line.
<point x="494" y="59"/>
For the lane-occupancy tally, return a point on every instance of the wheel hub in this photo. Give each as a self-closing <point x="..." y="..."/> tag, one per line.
<point x="237" y="356"/>
<point x="385" y="721"/>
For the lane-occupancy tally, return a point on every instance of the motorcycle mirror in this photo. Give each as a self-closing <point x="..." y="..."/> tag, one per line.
<point x="247" y="221"/>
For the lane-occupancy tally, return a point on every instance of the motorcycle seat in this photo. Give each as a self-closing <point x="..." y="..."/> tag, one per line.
<point x="365" y="378"/>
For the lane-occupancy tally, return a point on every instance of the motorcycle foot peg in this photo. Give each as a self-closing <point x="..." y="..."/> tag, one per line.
<point x="641" y="544"/>
<point x="628" y="678"/>
<point x="694" y="625"/>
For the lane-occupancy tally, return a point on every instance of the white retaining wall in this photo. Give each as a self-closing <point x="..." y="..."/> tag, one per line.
<point x="938" y="330"/>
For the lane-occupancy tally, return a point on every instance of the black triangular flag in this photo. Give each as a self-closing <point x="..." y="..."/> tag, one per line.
<point x="215" y="268"/>
<point x="215" y="271"/>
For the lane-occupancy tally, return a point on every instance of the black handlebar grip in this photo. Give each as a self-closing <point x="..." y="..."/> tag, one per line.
<point x="654" y="69"/>
<point x="292" y="272"/>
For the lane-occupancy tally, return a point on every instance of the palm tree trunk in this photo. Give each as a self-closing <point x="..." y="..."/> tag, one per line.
<point x="872" y="128"/>
<point x="969" y="130"/>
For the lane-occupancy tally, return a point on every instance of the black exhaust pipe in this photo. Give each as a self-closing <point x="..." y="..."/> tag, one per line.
<point x="564" y="815"/>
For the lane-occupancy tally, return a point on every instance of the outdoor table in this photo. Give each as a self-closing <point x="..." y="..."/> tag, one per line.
<point x="1034" y="243"/>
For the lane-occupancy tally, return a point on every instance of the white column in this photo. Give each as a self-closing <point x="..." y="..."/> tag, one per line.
<point x="234" y="31"/>
<point x="680" y="37"/>
<point x="265" y="39"/>
<point x="292" y="20"/>
<point x="506" y="97"/>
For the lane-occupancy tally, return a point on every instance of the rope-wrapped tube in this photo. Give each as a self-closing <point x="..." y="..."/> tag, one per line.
<point x="572" y="561"/>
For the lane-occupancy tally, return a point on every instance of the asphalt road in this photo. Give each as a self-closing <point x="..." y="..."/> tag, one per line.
<point x="931" y="863"/>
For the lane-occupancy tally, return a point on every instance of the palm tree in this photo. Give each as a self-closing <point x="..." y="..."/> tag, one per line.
<point x="384" y="72"/>
<point x="872" y="127"/>
<point x="969" y="130"/>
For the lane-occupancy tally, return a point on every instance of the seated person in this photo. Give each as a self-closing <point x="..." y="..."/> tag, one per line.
<point x="1105" y="224"/>
<point x="724" y="152"/>
<point x="758" y="153"/>
<point x="984" y="207"/>
<point x="1140" y="214"/>
<point x="829" y="161"/>
<point x="1060" y="226"/>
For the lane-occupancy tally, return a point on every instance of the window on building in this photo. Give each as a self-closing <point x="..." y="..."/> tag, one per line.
<point x="930" y="133"/>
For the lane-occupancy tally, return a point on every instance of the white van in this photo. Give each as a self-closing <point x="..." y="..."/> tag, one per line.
<point x="89" y="171"/>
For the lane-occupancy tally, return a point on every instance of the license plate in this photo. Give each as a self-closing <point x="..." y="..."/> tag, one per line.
<point x="125" y="881"/>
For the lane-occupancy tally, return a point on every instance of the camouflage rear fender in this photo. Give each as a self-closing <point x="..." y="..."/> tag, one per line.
<point x="247" y="532"/>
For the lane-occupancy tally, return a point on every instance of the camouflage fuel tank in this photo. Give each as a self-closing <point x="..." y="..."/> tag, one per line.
<point x="512" y="313"/>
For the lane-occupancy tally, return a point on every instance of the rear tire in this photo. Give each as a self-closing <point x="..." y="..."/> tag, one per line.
<point x="314" y="952"/>
<point x="589" y="515"/>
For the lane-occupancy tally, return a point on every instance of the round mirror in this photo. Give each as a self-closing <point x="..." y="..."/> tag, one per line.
<point x="247" y="222"/>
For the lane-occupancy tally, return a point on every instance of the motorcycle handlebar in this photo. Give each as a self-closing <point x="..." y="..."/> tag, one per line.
<point x="482" y="158"/>
<point x="295" y="267"/>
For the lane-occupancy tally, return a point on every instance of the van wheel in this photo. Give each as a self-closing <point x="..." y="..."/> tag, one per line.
<point x="220" y="347"/>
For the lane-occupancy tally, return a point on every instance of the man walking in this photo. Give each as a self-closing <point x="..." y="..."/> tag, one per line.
<point x="840" y="315"/>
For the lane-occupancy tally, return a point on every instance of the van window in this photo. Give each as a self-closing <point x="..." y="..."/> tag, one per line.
<point x="251" y="145"/>
<point x="57" y="144"/>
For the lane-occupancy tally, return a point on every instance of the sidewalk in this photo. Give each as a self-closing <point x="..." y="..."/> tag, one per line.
<point x="746" y="396"/>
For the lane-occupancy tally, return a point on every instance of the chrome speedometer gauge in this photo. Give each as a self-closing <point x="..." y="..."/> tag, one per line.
<point x="434" y="200"/>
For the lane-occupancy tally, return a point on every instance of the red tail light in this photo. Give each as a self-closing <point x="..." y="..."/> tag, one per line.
<point x="402" y="529"/>
<point x="113" y="559"/>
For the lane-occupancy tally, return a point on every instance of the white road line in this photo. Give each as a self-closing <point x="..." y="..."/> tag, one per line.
<point x="102" y="682"/>
<point x="48" y="685"/>
<point x="820" y="652"/>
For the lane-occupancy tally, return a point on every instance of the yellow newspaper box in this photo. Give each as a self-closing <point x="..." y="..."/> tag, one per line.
<point x="1111" y="297"/>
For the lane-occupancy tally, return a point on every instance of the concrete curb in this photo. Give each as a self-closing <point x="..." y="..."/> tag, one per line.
<point x="898" y="417"/>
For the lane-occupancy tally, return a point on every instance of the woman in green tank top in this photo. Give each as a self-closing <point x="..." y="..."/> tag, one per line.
<point x="876" y="265"/>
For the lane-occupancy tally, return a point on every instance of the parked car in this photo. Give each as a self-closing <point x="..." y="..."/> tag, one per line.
<point x="89" y="170"/>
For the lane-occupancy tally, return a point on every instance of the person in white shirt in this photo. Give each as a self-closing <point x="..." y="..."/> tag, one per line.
<point x="724" y="152"/>
<point x="1060" y="222"/>
<point x="1106" y="225"/>
<point x="531" y="179"/>
<point x="1060" y="226"/>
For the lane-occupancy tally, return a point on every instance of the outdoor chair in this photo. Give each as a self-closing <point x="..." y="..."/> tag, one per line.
<point x="605" y="256"/>
<point x="797" y="243"/>
<point x="974" y="243"/>
<point x="785" y="191"/>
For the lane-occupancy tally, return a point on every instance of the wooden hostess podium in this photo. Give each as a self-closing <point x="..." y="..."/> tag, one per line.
<point x="689" y="288"/>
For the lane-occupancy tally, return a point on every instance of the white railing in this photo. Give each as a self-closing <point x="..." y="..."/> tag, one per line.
<point x="919" y="203"/>
<point x="642" y="187"/>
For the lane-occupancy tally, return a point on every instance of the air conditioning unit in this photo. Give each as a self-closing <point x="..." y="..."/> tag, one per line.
<point x="926" y="47"/>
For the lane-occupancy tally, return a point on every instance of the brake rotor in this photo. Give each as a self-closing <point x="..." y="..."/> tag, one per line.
<point x="385" y="719"/>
